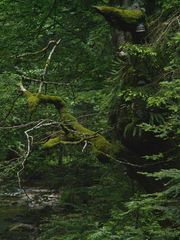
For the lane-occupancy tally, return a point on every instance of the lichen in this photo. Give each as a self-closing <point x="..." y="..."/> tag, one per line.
<point x="123" y="19"/>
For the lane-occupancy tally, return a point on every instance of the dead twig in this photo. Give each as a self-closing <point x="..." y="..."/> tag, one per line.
<point x="41" y="123"/>
<point x="36" y="80"/>
<point x="24" y="125"/>
<point x="37" y="52"/>
<point x="24" y="77"/>
<point x="47" y="65"/>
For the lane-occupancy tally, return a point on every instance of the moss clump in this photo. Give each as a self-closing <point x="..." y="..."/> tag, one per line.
<point x="33" y="101"/>
<point x="51" y="142"/>
<point x="122" y="19"/>
<point x="57" y="101"/>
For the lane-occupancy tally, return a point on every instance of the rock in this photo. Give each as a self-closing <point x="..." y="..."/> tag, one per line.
<point x="34" y="198"/>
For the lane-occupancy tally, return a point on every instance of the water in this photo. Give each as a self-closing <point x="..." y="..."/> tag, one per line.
<point x="22" y="212"/>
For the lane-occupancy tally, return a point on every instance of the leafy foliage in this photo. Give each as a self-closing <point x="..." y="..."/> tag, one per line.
<point x="139" y="91"/>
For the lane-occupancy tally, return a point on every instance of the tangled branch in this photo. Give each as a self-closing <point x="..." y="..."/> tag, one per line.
<point x="41" y="123"/>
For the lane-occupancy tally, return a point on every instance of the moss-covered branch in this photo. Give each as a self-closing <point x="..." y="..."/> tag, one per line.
<point x="122" y="19"/>
<point x="72" y="131"/>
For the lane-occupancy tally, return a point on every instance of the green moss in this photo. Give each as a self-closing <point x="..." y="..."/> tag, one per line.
<point x="101" y="144"/>
<point x="66" y="116"/>
<point x="97" y="140"/>
<point x="33" y="100"/>
<point x="52" y="142"/>
<point x="57" y="101"/>
<point x="79" y="134"/>
<point x="72" y="131"/>
<point x="124" y="19"/>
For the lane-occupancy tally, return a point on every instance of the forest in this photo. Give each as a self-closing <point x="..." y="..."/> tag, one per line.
<point x="90" y="120"/>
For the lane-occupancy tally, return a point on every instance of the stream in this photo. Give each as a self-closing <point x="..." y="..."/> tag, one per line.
<point x="22" y="211"/>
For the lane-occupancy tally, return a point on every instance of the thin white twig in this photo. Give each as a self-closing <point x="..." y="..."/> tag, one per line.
<point x="47" y="64"/>
<point x="23" y="89"/>
<point x="29" y="138"/>
<point x="85" y="145"/>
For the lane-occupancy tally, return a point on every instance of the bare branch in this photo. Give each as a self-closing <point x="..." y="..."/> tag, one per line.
<point x="23" y="89"/>
<point x="47" y="65"/>
<point x="41" y="123"/>
<point x="26" y="124"/>
<point x="45" y="82"/>
<point x="36" y="80"/>
<point x="37" y="52"/>
<point x="85" y="145"/>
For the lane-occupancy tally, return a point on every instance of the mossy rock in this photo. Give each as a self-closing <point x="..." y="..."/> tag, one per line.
<point x="122" y="19"/>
